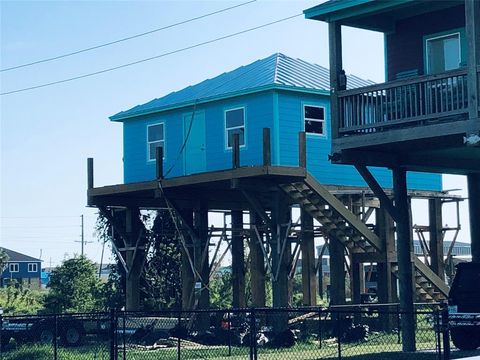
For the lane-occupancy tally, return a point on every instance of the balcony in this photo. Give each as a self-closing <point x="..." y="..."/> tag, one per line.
<point x="405" y="118"/>
<point x="404" y="103"/>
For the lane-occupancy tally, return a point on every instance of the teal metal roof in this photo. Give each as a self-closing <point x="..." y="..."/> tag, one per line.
<point x="277" y="71"/>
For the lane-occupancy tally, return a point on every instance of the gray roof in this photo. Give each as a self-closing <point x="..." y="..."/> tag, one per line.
<point x="16" y="256"/>
<point x="277" y="71"/>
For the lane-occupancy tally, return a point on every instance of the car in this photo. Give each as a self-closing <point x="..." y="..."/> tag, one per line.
<point x="464" y="307"/>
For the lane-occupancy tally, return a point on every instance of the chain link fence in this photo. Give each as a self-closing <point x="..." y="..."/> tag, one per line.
<point x="346" y="332"/>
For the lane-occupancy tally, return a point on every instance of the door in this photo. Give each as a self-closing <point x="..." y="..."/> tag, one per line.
<point x="194" y="152"/>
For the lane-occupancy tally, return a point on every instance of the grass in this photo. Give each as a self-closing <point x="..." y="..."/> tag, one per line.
<point x="379" y="346"/>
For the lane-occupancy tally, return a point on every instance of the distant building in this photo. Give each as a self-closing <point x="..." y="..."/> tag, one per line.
<point x="22" y="268"/>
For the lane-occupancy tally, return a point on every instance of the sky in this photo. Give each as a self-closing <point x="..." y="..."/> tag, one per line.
<point x="46" y="134"/>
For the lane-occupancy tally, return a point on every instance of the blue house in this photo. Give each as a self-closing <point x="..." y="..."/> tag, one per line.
<point x="195" y="126"/>
<point x="25" y="269"/>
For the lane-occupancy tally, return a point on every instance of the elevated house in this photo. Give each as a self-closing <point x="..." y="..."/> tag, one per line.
<point x="24" y="269"/>
<point x="257" y="140"/>
<point x="194" y="126"/>
<point x="425" y="117"/>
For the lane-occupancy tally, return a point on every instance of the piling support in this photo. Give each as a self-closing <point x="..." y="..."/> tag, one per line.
<point x="257" y="264"/>
<point x="309" y="283"/>
<point x="436" y="237"/>
<point x="404" y="255"/>
<point x="238" y="261"/>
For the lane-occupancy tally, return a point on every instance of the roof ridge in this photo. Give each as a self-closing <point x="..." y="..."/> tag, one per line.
<point x="275" y="72"/>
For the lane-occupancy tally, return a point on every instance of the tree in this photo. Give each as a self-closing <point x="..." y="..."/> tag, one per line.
<point x="3" y="260"/>
<point x="160" y="283"/>
<point x="75" y="287"/>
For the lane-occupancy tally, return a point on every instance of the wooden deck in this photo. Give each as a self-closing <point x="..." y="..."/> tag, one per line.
<point x="419" y="123"/>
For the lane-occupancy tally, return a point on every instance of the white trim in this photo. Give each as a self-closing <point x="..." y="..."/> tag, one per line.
<point x="244" y="126"/>
<point x="427" y="39"/>
<point x="324" y="120"/>
<point x="10" y="267"/>
<point x="32" y="264"/>
<point x="157" y="141"/>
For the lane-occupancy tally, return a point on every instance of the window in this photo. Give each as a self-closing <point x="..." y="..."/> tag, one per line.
<point x="13" y="267"/>
<point x="235" y="124"/>
<point x="443" y="53"/>
<point x="314" y="119"/>
<point x="32" y="267"/>
<point x="155" y="138"/>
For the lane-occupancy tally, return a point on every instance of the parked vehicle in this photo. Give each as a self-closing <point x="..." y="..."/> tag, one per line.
<point x="71" y="329"/>
<point x="464" y="307"/>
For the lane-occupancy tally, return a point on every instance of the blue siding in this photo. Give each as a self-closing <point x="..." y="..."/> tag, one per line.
<point x="258" y="114"/>
<point x="23" y="272"/>
<point x="319" y="147"/>
<point x="282" y="111"/>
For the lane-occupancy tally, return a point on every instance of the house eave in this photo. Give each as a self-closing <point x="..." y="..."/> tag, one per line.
<point x="120" y="117"/>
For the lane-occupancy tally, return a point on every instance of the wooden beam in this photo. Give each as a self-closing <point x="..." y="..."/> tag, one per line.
<point x="267" y="148"/>
<point x="238" y="260"/>
<point x="309" y="283"/>
<point x="159" y="162"/>
<point x="257" y="263"/>
<point x="436" y="237"/>
<point x="404" y="254"/>
<point x="472" y="27"/>
<point x="257" y="207"/>
<point x="335" y="50"/>
<point x="89" y="180"/>
<point x="385" y="201"/>
<point x="302" y="149"/>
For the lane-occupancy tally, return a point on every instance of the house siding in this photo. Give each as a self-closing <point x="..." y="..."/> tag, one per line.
<point x="405" y="45"/>
<point x="258" y="115"/>
<point x="282" y="111"/>
<point x="319" y="147"/>
<point x="23" y="275"/>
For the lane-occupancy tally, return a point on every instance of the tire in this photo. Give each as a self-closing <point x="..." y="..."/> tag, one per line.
<point x="45" y="335"/>
<point x="464" y="338"/>
<point x="73" y="335"/>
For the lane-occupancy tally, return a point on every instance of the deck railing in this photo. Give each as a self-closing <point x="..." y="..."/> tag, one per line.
<point x="403" y="103"/>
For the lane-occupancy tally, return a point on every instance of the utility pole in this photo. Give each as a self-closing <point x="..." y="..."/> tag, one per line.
<point x="83" y="240"/>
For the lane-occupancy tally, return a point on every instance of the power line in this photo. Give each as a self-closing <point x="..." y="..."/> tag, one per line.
<point x="125" y="39"/>
<point x="153" y="57"/>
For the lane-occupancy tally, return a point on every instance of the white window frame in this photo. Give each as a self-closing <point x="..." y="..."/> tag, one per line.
<point x="324" y="127"/>
<point x="156" y="141"/>
<point x="244" y="126"/>
<point x="11" y="267"/>
<point x="457" y="33"/>
<point x="32" y="267"/>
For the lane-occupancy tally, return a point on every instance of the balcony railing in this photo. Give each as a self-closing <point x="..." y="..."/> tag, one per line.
<point x="401" y="103"/>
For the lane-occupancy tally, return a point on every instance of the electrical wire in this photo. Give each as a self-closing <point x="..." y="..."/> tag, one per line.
<point x="125" y="39"/>
<point x="151" y="58"/>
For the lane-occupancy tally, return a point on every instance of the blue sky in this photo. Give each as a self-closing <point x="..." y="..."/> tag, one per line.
<point x="47" y="134"/>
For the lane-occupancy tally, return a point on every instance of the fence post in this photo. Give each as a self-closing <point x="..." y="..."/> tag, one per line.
<point x="398" y="325"/>
<point x="339" y="336"/>
<point x="55" y="335"/>
<point x="437" y="333"/>
<point x="124" y="350"/>
<point x="319" y="327"/>
<point x="179" y="344"/>
<point x="446" y="334"/>
<point x="253" y="330"/>
<point x="112" y="335"/>
<point x="229" y="334"/>
<point x="1" y="335"/>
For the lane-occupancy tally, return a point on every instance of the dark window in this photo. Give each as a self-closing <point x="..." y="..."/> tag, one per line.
<point x="235" y="124"/>
<point x="314" y="119"/>
<point x="155" y="138"/>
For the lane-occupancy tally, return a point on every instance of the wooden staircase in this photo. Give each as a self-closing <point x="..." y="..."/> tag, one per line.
<point x="340" y="223"/>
